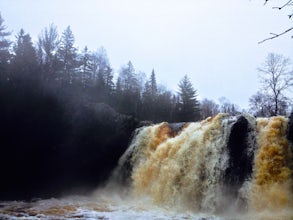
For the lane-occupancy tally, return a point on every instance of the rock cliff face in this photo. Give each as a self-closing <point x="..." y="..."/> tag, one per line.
<point x="48" y="148"/>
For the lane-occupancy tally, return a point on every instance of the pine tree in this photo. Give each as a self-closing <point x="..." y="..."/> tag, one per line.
<point x="149" y="98"/>
<point x="130" y="100"/>
<point x="128" y="78"/>
<point x="153" y="85"/>
<point x="85" y="68"/>
<point x="163" y="106"/>
<point x="67" y="55"/>
<point x="188" y="104"/>
<point x="4" y="49"/>
<point x="104" y="71"/>
<point x="24" y="61"/>
<point x="108" y="79"/>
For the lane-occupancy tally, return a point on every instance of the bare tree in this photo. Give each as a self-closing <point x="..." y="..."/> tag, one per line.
<point x="285" y="5"/>
<point x="48" y="43"/>
<point x="260" y="105"/>
<point x="208" y="108"/>
<point x="227" y="107"/>
<point x="276" y="78"/>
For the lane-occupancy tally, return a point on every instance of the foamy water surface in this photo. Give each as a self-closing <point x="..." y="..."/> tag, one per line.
<point x="91" y="208"/>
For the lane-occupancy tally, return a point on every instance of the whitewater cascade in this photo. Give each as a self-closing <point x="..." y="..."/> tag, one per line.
<point x="222" y="168"/>
<point x="223" y="164"/>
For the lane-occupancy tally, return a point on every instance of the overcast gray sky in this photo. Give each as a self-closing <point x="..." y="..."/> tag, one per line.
<point x="214" y="42"/>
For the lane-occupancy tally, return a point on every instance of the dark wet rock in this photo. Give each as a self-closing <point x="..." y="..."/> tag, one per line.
<point x="48" y="148"/>
<point x="145" y="123"/>
<point x="290" y="128"/>
<point x="98" y="143"/>
<point x="240" y="158"/>
<point x="122" y="173"/>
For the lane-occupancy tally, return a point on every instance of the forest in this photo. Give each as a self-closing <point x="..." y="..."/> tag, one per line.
<point x="55" y="64"/>
<point x="66" y="118"/>
<point x="64" y="121"/>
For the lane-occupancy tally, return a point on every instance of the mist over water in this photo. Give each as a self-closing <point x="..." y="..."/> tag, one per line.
<point x="223" y="167"/>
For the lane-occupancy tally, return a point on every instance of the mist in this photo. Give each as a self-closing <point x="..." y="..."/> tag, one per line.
<point x="80" y="138"/>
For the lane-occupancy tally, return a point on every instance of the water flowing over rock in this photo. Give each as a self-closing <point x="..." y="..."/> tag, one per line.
<point x="222" y="168"/>
<point x="219" y="165"/>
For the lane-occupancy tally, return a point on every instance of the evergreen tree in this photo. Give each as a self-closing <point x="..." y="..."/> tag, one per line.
<point x="153" y="84"/>
<point x="149" y="99"/>
<point x="128" y="79"/>
<point x="108" y="79"/>
<point x="4" y="49"/>
<point x="118" y="92"/>
<point x="130" y="101"/>
<point x="104" y="72"/>
<point x="24" y="63"/>
<point x="175" y="108"/>
<point x="67" y="55"/>
<point x="163" y="106"/>
<point x="95" y="60"/>
<point x="85" y="68"/>
<point x="117" y="95"/>
<point x="102" y="76"/>
<point x="188" y="104"/>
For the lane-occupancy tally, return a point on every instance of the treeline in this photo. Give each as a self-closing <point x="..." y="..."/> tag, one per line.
<point x="65" y="121"/>
<point x="87" y="76"/>
<point x="57" y="134"/>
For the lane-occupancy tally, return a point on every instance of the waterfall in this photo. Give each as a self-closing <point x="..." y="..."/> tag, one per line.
<point x="222" y="168"/>
<point x="222" y="164"/>
<point x="272" y="186"/>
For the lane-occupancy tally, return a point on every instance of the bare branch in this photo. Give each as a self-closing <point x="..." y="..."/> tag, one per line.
<point x="276" y="35"/>
<point x="286" y="4"/>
